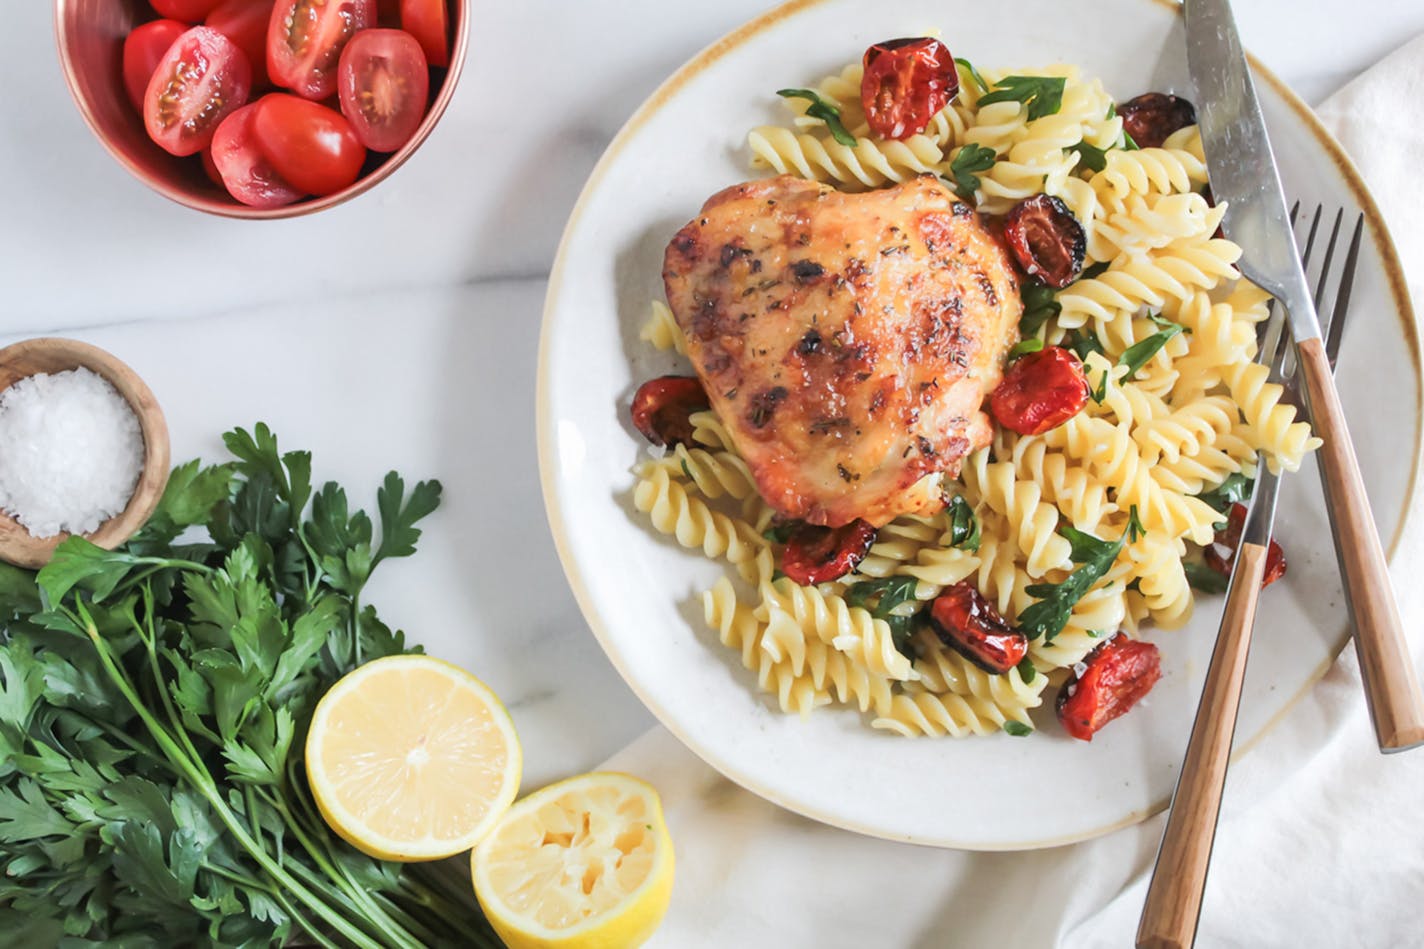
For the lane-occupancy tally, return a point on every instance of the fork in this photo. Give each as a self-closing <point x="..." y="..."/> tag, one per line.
<point x="1174" y="895"/>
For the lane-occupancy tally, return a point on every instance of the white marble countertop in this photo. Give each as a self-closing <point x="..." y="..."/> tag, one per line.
<point x="435" y="278"/>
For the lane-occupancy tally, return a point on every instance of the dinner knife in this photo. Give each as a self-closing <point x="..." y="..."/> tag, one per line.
<point x="1243" y="175"/>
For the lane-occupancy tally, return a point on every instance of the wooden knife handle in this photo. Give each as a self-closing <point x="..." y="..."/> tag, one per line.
<point x="1391" y="684"/>
<point x="1174" y="896"/>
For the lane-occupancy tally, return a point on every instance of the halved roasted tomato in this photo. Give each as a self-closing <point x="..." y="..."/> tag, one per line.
<point x="305" y="39"/>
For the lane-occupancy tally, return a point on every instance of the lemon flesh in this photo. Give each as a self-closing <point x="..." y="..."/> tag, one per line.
<point x="411" y="758"/>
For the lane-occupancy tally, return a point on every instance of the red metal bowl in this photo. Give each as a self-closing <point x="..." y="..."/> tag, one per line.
<point x="90" y="34"/>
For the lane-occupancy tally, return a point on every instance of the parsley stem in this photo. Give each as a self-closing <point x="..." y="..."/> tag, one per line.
<point x="301" y="922"/>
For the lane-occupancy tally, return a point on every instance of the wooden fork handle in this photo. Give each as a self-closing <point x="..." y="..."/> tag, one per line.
<point x="1391" y="684"/>
<point x="1174" y="897"/>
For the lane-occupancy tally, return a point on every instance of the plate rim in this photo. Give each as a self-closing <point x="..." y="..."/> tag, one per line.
<point x="547" y="436"/>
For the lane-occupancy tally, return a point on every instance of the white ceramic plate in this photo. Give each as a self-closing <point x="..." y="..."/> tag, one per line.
<point x="639" y="590"/>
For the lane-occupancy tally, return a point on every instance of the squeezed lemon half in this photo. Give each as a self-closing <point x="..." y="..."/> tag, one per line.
<point x="583" y="863"/>
<point x="411" y="758"/>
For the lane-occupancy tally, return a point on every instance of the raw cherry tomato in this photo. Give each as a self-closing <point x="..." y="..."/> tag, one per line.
<point x="210" y="167"/>
<point x="189" y="11"/>
<point x="305" y="39"/>
<point x="247" y="175"/>
<point x="1040" y="391"/>
<point x="1230" y="538"/>
<point x="143" y="51"/>
<point x="1116" y="676"/>
<point x="1047" y="239"/>
<point x="965" y="621"/>
<point x="201" y="80"/>
<point x="663" y="407"/>
<point x="310" y="146"/>
<point x="1153" y="116"/>
<point x="388" y="13"/>
<point x="906" y="83"/>
<point x="383" y="82"/>
<point x="245" y="23"/>
<point x="820" y="554"/>
<point x="427" y="21"/>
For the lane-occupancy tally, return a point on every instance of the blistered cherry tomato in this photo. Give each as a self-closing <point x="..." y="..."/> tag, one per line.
<point x="663" y="408"/>
<point x="905" y="84"/>
<point x="383" y="82"/>
<point x="1153" y="116"/>
<point x="305" y="39"/>
<point x="965" y="621"/>
<point x="189" y="11"/>
<point x="1040" y="391"/>
<point x="1116" y="676"/>
<point x="310" y="146"/>
<point x="820" y="554"/>
<point x="246" y="174"/>
<point x="202" y="79"/>
<point x="245" y="23"/>
<point x="1229" y="537"/>
<point x="428" y="22"/>
<point x="1046" y="239"/>
<point x="144" y="48"/>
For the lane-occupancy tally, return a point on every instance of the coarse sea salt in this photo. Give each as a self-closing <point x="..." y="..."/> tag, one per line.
<point x="71" y="452"/>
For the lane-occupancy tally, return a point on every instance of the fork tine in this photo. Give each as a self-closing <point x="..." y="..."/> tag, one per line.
<point x="1329" y="256"/>
<point x="1342" y="298"/>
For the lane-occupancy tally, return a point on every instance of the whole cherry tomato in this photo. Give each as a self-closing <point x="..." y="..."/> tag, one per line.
<point x="201" y="80"/>
<point x="1115" y="677"/>
<point x="189" y="11"/>
<point x="1230" y="538"/>
<point x="965" y="621"/>
<point x="1040" y="391"/>
<point x="820" y="554"/>
<point x="663" y="407"/>
<point x="905" y="84"/>
<point x="144" y="48"/>
<point x="1153" y="116"/>
<point x="428" y="22"/>
<point x="1046" y="239"/>
<point x="383" y="82"/>
<point x="246" y="174"/>
<point x="310" y="146"/>
<point x="245" y="23"/>
<point x="305" y="39"/>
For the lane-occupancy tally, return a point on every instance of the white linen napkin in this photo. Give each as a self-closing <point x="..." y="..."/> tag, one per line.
<point x="1321" y="843"/>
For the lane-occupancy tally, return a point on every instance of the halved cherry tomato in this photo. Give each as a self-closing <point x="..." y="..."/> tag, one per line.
<point x="428" y="22"/>
<point x="201" y="80"/>
<point x="143" y="51"/>
<point x="663" y="407"/>
<point x="310" y="146"/>
<point x="905" y="84"/>
<point x="388" y="13"/>
<point x="1040" y="391"/>
<point x="968" y="623"/>
<point x="248" y="176"/>
<point x="210" y="167"/>
<point x="1229" y="537"/>
<point x="820" y="554"/>
<point x="1115" y="677"/>
<point x="383" y="82"/>
<point x="1153" y="116"/>
<point x="245" y="23"/>
<point x="1047" y="239"/>
<point x="305" y="39"/>
<point x="189" y="11"/>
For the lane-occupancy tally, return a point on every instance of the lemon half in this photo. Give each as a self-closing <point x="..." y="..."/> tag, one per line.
<point x="411" y="758"/>
<point x="583" y="863"/>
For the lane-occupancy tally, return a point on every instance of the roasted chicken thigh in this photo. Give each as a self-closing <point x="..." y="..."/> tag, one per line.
<point x="847" y="341"/>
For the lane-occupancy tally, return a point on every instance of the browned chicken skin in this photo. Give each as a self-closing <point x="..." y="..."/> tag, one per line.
<point x="846" y="340"/>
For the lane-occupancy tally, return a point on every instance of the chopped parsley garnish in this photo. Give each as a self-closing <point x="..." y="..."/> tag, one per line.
<point x="1137" y="355"/>
<point x="823" y="110"/>
<point x="1017" y="729"/>
<point x="973" y="73"/>
<point x="1027" y="670"/>
<point x="1090" y="157"/>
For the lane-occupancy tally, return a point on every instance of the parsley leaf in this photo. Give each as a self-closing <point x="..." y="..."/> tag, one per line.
<point x="963" y="525"/>
<point x="967" y="163"/>
<point x="973" y="73"/>
<point x="1025" y="346"/>
<point x="1203" y="578"/>
<point x="1236" y="489"/>
<point x="1090" y="156"/>
<point x="1055" y="604"/>
<point x="823" y="110"/>
<point x="891" y="593"/>
<point x="1017" y="729"/>
<point x="1042" y="94"/>
<point x="1027" y="670"/>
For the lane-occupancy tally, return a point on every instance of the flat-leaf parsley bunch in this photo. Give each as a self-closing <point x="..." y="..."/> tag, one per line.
<point x="153" y="709"/>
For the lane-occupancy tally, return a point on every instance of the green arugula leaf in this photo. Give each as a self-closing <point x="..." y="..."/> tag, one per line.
<point x="1040" y="305"/>
<point x="1017" y="729"/>
<point x="823" y="110"/>
<point x="1203" y="578"/>
<point x="1042" y="94"/>
<point x="965" y="167"/>
<point x="891" y="592"/>
<point x="973" y="73"/>
<point x="1137" y="355"/>
<point x="963" y="525"/>
<point x="1083" y="343"/>
<point x="1027" y="670"/>
<point x="1094" y="271"/>
<point x="1055" y="604"/>
<point x="1090" y="156"/>
<point x="1128" y="144"/>
<point x="779" y="533"/>
<point x="1025" y="346"/>
<point x="1236" y="489"/>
